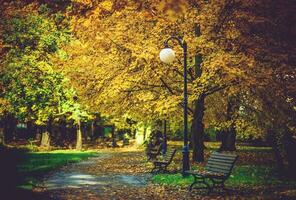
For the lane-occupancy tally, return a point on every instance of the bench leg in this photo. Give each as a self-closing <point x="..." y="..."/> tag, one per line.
<point x="218" y="184"/>
<point x="158" y="168"/>
<point x="154" y="168"/>
<point x="191" y="186"/>
<point x="164" y="169"/>
<point x="200" y="180"/>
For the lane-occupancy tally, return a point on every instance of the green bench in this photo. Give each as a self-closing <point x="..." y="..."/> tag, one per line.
<point x="161" y="163"/>
<point x="217" y="170"/>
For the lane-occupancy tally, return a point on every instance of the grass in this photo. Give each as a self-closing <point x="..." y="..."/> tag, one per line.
<point x="245" y="175"/>
<point x="35" y="164"/>
<point x="42" y="162"/>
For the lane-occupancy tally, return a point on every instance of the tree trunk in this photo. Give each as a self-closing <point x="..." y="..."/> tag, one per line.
<point x="79" y="136"/>
<point x="284" y="147"/>
<point x="46" y="136"/>
<point x="289" y="144"/>
<point x="92" y="131"/>
<point x="144" y="134"/>
<point x="113" y="136"/>
<point x="38" y="134"/>
<point x="197" y="126"/>
<point x="31" y="129"/>
<point x="276" y="150"/>
<point x="164" y="145"/>
<point x="134" y="133"/>
<point x="85" y="132"/>
<point x="45" y="140"/>
<point x="9" y="127"/>
<point x="197" y="130"/>
<point x="57" y="135"/>
<point x="228" y="140"/>
<point x="228" y="136"/>
<point x="2" y="140"/>
<point x="63" y="131"/>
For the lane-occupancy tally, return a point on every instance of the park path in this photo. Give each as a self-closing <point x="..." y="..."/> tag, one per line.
<point x="99" y="177"/>
<point x="75" y="177"/>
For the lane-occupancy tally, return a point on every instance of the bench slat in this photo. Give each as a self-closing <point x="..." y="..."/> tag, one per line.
<point x="224" y="169"/>
<point x="222" y="157"/>
<point x="221" y="160"/>
<point x="218" y="171"/>
<point x="220" y="165"/>
<point x="213" y="162"/>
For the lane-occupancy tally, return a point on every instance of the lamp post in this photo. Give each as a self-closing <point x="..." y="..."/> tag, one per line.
<point x="167" y="55"/>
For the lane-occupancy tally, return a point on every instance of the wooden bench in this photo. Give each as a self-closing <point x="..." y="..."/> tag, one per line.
<point x="217" y="170"/>
<point x="161" y="164"/>
<point x="152" y="153"/>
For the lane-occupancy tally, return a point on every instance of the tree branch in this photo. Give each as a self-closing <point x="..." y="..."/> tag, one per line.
<point x="219" y="88"/>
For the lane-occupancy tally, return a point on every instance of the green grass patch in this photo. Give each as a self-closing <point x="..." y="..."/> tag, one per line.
<point x="35" y="164"/>
<point x="242" y="176"/>
<point x="42" y="162"/>
<point x="172" y="179"/>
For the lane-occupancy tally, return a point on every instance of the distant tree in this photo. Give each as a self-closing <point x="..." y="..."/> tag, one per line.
<point x="35" y="91"/>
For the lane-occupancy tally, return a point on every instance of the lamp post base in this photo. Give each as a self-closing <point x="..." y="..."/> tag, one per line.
<point x="185" y="166"/>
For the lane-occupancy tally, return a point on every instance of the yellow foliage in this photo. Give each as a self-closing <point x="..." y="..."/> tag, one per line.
<point x="106" y="5"/>
<point x="114" y="62"/>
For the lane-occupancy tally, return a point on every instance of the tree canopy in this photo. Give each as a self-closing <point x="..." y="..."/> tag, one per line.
<point x="241" y="63"/>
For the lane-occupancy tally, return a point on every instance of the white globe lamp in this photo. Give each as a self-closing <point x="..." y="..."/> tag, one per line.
<point x="167" y="55"/>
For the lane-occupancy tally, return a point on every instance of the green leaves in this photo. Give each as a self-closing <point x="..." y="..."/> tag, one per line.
<point x="35" y="90"/>
<point x="33" y="32"/>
